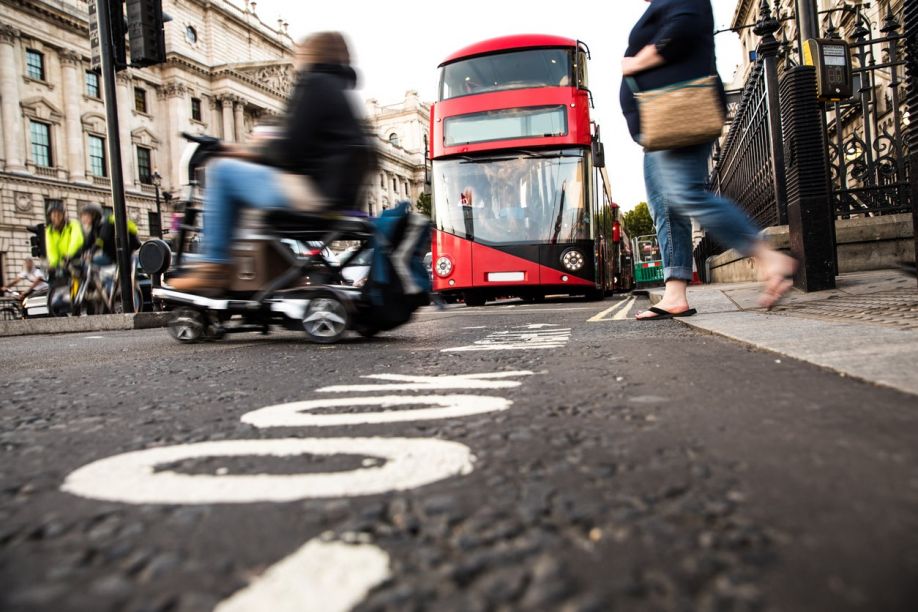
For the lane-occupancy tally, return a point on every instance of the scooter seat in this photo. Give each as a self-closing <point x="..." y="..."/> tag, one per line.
<point x="284" y="220"/>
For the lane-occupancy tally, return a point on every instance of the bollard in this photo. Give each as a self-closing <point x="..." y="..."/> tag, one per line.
<point x="810" y="214"/>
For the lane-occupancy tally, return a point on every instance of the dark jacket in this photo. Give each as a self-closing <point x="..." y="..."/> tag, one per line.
<point x="102" y="237"/>
<point x="683" y="32"/>
<point x="322" y="137"/>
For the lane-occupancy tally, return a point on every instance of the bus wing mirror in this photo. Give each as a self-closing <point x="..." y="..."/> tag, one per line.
<point x="599" y="154"/>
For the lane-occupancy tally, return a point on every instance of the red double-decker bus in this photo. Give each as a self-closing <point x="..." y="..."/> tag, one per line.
<point x="521" y="202"/>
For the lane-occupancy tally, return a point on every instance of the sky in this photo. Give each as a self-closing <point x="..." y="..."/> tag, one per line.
<point x="397" y="46"/>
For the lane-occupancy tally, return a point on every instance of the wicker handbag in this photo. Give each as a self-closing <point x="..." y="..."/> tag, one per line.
<point x="679" y="115"/>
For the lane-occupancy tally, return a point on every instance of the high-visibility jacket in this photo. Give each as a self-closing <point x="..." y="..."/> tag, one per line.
<point x="63" y="244"/>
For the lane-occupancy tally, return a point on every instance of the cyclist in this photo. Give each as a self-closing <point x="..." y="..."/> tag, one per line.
<point x="99" y="232"/>
<point x="34" y="277"/>
<point x="63" y="238"/>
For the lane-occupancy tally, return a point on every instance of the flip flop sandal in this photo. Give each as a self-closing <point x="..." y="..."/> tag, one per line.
<point x="665" y="314"/>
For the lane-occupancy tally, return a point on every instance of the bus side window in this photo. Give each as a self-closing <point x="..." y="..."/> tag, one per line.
<point x="583" y="80"/>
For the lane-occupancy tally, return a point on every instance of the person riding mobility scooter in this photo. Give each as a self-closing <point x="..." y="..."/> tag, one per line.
<point x="300" y="186"/>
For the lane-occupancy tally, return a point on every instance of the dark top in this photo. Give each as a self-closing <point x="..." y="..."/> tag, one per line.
<point x="683" y="32"/>
<point x="322" y="137"/>
<point x="102" y="237"/>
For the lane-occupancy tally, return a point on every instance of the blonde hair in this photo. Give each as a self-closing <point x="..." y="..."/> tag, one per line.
<point x="325" y="48"/>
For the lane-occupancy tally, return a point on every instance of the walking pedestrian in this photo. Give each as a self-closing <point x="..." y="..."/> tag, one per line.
<point x="673" y="43"/>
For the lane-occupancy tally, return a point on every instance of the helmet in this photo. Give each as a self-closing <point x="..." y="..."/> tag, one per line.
<point x="56" y="205"/>
<point x="92" y="209"/>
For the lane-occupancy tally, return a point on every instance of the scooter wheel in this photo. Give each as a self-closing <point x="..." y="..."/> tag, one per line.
<point x="186" y="326"/>
<point x="326" y="319"/>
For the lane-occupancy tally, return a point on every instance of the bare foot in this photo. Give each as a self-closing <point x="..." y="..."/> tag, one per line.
<point x="777" y="270"/>
<point x="673" y="307"/>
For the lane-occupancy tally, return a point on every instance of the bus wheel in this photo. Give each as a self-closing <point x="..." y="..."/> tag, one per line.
<point x="473" y="299"/>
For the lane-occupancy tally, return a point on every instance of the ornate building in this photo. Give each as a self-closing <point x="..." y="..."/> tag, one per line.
<point x="402" y="130"/>
<point x="225" y="70"/>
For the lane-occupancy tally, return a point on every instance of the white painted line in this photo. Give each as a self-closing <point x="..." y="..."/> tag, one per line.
<point x="295" y="414"/>
<point x="331" y="576"/>
<point x="476" y="327"/>
<point x="401" y="382"/>
<point x="94" y="337"/>
<point x="518" y="341"/>
<point x="602" y="315"/>
<point x="539" y="325"/>
<point x="622" y="314"/>
<point x="131" y="477"/>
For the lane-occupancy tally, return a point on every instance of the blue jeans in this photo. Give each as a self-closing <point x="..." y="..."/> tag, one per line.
<point x="676" y="193"/>
<point x="231" y="185"/>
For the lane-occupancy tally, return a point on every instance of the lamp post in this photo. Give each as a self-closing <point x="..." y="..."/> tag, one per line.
<point x="157" y="181"/>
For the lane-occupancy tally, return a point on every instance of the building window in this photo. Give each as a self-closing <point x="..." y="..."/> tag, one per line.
<point x="382" y="180"/>
<point x="41" y="143"/>
<point x="140" y="100"/>
<point x="196" y="109"/>
<point x="92" y="84"/>
<point x="97" y="156"/>
<point x="35" y="65"/>
<point x="395" y="185"/>
<point x="143" y="166"/>
<point x="191" y="35"/>
<point x="393" y="139"/>
<point x="406" y="189"/>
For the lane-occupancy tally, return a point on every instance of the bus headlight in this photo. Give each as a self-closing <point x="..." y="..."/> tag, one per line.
<point x="444" y="266"/>
<point x="572" y="260"/>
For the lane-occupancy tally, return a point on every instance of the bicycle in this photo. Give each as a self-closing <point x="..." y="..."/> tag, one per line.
<point x="10" y="306"/>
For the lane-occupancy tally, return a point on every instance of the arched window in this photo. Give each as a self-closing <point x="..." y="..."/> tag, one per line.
<point x="393" y="139"/>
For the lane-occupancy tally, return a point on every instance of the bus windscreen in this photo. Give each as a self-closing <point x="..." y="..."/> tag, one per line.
<point x="513" y="198"/>
<point x="512" y="70"/>
<point x="506" y="124"/>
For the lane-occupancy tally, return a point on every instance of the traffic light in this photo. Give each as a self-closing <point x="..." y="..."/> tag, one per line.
<point x="145" y="32"/>
<point x="37" y="239"/>
<point x="119" y="32"/>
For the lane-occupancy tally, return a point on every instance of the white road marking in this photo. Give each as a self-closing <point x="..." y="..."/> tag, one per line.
<point x="295" y="414"/>
<point x="523" y="340"/>
<point x="433" y="383"/>
<point x="623" y="306"/>
<point x="476" y="327"/>
<point x="539" y="325"/>
<point x="130" y="477"/>
<point x="622" y="314"/>
<point x="331" y="576"/>
<point x="94" y="337"/>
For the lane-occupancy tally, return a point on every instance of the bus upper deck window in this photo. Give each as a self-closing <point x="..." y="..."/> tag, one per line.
<point x="580" y="67"/>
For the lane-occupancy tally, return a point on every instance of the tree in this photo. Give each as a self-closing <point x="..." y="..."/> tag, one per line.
<point x="423" y="204"/>
<point x="638" y="221"/>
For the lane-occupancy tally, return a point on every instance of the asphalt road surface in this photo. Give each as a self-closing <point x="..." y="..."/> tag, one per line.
<point x="511" y="457"/>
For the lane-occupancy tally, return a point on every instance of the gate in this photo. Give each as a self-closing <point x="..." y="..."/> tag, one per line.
<point x="868" y="150"/>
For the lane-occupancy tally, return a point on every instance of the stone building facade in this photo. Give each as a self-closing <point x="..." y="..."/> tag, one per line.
<point x="402" y="131"/>
<point x="226" y="69"/>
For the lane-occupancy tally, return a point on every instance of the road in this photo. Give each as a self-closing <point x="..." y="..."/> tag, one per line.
<point x="558" y="456"/>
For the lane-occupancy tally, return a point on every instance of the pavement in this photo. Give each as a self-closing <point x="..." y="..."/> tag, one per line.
<point x="558" y="456"/>
<point x="71" y="325"/>
<point x="866" y="328"/>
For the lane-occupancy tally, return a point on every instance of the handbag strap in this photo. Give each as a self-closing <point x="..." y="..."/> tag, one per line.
<point x="632" y="84"/>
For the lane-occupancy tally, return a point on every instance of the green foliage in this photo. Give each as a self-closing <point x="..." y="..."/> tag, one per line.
<point x="423" y="204"/>
<point x="638" y="221"/>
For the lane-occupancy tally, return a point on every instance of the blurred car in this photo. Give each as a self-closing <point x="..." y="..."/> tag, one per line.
<point x="357" y="270"/>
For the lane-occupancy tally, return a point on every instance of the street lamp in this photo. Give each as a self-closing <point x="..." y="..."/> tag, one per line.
<point x="157" y="181"/>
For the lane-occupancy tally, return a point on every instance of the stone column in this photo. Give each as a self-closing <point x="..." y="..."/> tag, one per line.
<point x="125" y="99"/>
<point x="178" y="110"/>
<point x="13" y="141"/>
<point x="239" y="118"/>
<point x="229" y="134"/>
<point x="71" y="63"/>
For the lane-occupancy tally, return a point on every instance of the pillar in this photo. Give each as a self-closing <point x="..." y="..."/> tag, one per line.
<point x="178" y="113"/>
<point x="229" y="133"/>
<point x="125" y="98"/>
<point x="239" y="119"/>
<point x="71" y="62"/>
<point x="13" y="142"/>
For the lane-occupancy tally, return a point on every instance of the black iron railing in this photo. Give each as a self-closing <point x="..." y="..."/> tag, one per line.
<point x="868" y="151"/>
<point x="742" y="166"/>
